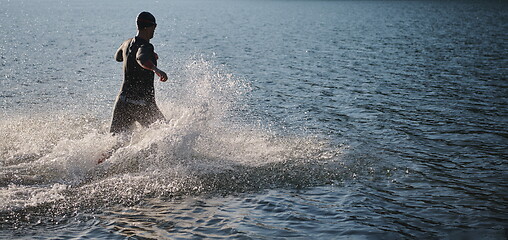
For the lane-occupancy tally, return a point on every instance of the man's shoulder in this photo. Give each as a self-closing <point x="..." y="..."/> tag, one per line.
<point x="146" y="45"/>
<point x="127" y="42"/>
<point x="141" y="42"/>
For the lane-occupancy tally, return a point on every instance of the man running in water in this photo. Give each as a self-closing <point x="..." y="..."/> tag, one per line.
<point x="136" y="101"/>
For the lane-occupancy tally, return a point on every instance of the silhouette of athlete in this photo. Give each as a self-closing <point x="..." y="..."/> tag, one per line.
<point x="136" y="100"/>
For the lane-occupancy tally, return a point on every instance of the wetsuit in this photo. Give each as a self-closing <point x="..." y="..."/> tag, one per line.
<point x="136" y="101"/>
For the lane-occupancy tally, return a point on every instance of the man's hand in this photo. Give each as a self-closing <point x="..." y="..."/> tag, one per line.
<point x="162" y="75"/>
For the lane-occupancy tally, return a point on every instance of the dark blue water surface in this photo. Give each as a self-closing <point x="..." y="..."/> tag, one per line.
<point x="289" y="120"/>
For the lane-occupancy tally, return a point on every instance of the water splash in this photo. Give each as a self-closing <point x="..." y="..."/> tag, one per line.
<point x="49" y="161"/>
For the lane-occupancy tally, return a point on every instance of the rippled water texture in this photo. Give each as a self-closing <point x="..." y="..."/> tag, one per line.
<point x="289" y="119"/>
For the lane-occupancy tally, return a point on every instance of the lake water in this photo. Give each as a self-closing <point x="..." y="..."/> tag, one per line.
<point x="289" y="120"/>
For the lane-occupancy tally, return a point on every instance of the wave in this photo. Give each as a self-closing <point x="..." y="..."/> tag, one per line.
<point x="49" y="161"/>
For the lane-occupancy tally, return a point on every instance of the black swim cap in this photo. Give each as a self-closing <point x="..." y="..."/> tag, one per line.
<point x="145" y="19"/>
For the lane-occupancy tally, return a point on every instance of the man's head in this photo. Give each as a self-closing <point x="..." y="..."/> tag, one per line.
<point x="144" y="20"/>
<point x="146" y="23"/>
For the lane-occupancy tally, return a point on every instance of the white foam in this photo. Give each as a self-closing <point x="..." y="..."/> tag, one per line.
<point x="51" y="158"/>
<point x="18" y="196"/>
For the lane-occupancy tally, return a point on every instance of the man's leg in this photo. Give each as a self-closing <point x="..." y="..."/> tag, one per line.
<point x="123" y="118"/>
<point x="151" y="114"/>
